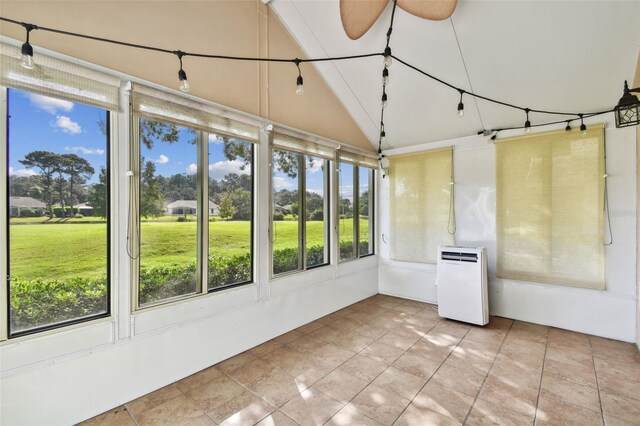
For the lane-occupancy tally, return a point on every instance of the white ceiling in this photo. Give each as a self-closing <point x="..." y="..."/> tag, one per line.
<point x="553" y="55"/>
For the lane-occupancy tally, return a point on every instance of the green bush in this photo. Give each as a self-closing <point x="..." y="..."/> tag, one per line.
<point x="316" y="215"/>
<point x="40" y="302"/>
<point x="278" y="216"/>
<point x="27" y="212"/>
<point x="182" y="219"/>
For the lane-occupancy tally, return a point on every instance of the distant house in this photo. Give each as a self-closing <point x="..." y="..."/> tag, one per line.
<point x="84" y="209"/>
<point x="17" y="204"/>
<point x="185" y="207"/>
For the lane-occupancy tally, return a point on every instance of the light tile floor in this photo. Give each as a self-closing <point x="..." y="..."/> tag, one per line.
<point x="388" y="361"/>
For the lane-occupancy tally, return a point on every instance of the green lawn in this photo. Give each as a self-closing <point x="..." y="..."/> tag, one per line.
<point x="65" y="250"/>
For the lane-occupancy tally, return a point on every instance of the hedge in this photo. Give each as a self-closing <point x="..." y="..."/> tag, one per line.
<point x="39" y="302"/>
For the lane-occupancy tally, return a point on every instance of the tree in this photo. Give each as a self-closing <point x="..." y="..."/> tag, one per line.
<point x="79" y="171"/>
<point x="226" y="206"/>
<point x="98" y="195"/>
<point x="364" y="204"/>
<point x="241" y="200"/>
<point x="151" y="198"/>
<point x="46" y="162"/>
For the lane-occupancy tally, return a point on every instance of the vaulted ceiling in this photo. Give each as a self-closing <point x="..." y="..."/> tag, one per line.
<point x="559" y="55"/>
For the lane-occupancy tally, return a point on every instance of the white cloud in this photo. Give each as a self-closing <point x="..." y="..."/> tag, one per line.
<point x="67" y="125"/>
<point x="316" y="191"/>
<point x="50" y="105"/>
<point x="163" y="159"/>
<point x="215" y="139"/>
<point x="21" y="172"/>
<point x="84" y="150"/>
<point x="219" y="169"/>
<point x="192" y="169"/>
<point x="280" y="183"/>
<point x="315" y="166"/>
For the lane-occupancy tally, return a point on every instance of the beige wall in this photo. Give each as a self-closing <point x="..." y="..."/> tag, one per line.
<point x="239" y="28"/>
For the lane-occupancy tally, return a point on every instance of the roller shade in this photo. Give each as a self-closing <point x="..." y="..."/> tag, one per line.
<point x="549" y="208"/>
<point x="169" y="108"/>
<point x="362" y="160"/>
<point x="59" y="79"/>
<point x="421" y="204"/>
<point x="302" y="146"/>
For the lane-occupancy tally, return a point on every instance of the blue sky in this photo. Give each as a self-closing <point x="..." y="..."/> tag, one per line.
<point x="47" y="124"/>
<point x="42" y="123"/>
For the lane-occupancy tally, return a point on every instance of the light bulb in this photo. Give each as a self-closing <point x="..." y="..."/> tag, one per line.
<point x="460" y="110"/>
<point x="27" y="56"/>
<point x="583" y="129"/>
<point x="383" y="137"/>
<point x="27" y="62"/>
<point x="384" y="100"/>
<point x="299" y="86"/>
<point x="568" y="128"/>
<point x="527" y="129"/>
<point x="184" y="85"/>
<point x="385" y="76"/>
<point x="387" y="57"/>
<point x="527" y="126"/>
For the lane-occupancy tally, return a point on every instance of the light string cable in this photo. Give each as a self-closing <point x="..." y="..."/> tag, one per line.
<point x="385" y="81"/>
<point x="387" y="54"/>
<point x="605" y="204"/>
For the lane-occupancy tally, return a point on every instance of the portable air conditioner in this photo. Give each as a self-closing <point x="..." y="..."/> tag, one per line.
<point x="462" y="284"/>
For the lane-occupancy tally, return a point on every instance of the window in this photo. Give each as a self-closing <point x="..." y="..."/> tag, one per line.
<point x="549" y="205"/>
<point x="355" y="205"/>
<point x="195" y="202"/>
<point x="421" y="204"/>
<point x="55" y="234"/>
<point x="58" y="207"/>
<point x="300" y="205"/>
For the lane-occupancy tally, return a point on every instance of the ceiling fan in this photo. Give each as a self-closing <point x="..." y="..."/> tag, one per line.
<point x="359" y="15"/>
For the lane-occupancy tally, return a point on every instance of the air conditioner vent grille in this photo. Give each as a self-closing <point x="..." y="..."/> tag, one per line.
<point x="459" y="256"/>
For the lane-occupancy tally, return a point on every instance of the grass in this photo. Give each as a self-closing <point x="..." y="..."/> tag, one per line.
<point x="65" y="250"/>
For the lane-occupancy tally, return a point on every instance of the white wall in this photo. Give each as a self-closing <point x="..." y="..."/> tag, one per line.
<point x="71" y="374"/>
<point x="610" y="313"/>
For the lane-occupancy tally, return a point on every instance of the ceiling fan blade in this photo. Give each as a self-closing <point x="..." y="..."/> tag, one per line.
<point x="359" y="15"/>
<point x="433" y="10"/>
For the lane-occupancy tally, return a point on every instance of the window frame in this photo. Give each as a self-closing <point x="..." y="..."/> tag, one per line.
<point x="302" y="213"/>
<point x="5" y="243"/>
<point x="356" y="211"/>
<point x="202" y="232"/>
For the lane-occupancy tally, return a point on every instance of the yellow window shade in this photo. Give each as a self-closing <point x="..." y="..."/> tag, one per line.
<point x="549" y="208"/>
<point x="420" y="202"/>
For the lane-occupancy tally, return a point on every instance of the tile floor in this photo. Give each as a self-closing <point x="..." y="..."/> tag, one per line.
<point x="388" y="361"/>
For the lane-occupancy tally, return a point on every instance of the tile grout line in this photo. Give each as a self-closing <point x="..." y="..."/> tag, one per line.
<point x="382" y="372"/>
<point x="437" y="369"/>
<point x="495" y="358"/>
<point x="595" y="372"/>
<point x="544" y="360"/>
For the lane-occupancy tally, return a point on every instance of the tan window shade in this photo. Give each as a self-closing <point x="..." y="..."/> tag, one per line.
<point x="302" y="146"/>
<point x="169" y="108"/>
<point x="420" y="202"/>
<point x="549" y="205"/>
<point x="60" y="79"/>
<point x="362" y="160"/>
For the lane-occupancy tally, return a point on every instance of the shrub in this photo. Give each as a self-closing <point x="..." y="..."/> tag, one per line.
<point x="182" y="219"/>
<point x="78" y="216"/>
<point x="27" y="212"/>
<point x="278" y="216"/>
<point x="316" y="215"/>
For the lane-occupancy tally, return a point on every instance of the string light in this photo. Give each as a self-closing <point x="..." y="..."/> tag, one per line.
<point x="27" y="62"/>
<point x="387" y="57"/>
<point x="27" y="50"/>
<point x="568" y="128"/>
<point x="299" y="81"/>
<point x="461" y="105"/>
<point x="527" y="124"/>
<point x="383" y="137"/>
<point x="182" y="75"/>
<point x="384" y="99"/>
<point x="385" y="76"/>
<point x="583" y="128"/>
